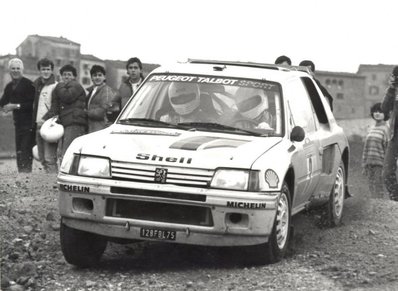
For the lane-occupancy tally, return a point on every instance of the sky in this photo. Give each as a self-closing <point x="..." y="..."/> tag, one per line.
<point x="337" y="35"/>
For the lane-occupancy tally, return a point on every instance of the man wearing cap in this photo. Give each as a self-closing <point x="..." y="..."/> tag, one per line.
<point x="18" y="97"/>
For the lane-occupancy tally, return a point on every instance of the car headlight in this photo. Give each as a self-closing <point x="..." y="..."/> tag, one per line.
<point x="93" y="167"/>
<point x="231" y="179"/>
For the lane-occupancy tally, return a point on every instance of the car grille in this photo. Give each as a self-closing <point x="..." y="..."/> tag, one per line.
<point x="161" y="194"/>
<point x="161" y="212"/>
<point x="175" y="175"/>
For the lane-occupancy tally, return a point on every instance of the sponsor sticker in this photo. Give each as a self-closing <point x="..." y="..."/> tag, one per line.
<point x="74" y="188"/>
<point x="246" y="205"/>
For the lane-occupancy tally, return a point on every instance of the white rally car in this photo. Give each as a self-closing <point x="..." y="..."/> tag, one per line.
<point x="206" y="153"/>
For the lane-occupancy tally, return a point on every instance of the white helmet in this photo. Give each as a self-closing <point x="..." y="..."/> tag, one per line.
<point x="51" y="131"/>
<point x="251" y="102"/>
<point x="35" y="152"/>
<point x="184" y="97"/>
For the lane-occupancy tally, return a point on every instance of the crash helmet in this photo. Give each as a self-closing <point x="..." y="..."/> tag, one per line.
<point x="51" y="131"/>
<point x="251" y="102"/>
<point x="35" y="153"/>
<point x="184" y="97"/>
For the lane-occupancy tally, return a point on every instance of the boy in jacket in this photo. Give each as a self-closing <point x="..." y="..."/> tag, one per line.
<point x="69" y="102"/>
<point x="44" y="86"/>
<point x="99" y="99"/>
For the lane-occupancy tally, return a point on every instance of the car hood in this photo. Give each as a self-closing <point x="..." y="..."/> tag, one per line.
<point x="198" y="149"/>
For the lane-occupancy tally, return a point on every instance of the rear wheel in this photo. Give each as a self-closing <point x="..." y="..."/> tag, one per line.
<point x="336" y="199"/>
<point x="81" y="248"/>
<point x="276" y="247"/>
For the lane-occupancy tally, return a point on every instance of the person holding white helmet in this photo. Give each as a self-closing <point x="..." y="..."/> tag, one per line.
<point x="185" y="101"/>
<point x="253" y="105"/>
<point x="44" y="86"/>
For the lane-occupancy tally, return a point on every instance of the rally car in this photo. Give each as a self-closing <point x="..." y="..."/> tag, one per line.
<point x="210" y="153"/>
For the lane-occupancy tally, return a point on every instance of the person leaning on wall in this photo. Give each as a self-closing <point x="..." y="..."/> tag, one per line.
<point x="18" y="97"/>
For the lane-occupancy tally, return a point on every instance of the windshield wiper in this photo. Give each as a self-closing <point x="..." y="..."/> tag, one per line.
<point x="219" y="127"/>
<point x="148" y="122"/>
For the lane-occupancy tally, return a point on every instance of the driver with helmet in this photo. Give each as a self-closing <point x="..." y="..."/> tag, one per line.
<point x="253" y="105"/>
<point x="185" y="104"/>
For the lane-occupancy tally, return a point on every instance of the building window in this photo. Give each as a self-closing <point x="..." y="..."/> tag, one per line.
<point x="340" y="84"/>
<point x="71" y="62"/>
<point x="373" y="90"/>
<point x="85" y="66"/>
<point x="340" y="96"/>
<point x="86" y="81"/>
<point x="374" y="77"/>
<point x="334" y="82"/>
<point x="58" y="62"/>
<point x="327" y="82"/>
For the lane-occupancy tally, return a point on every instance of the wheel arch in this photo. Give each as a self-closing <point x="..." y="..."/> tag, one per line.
<point x="289" y="178"/>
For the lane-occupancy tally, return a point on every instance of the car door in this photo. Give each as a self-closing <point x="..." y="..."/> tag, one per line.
<point x="306" y="159"/>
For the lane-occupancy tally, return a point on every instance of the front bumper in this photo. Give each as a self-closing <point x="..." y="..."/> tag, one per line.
<point x="225" y="218"/>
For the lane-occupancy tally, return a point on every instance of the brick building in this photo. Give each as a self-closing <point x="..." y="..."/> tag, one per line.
<point x="347" y="90"/>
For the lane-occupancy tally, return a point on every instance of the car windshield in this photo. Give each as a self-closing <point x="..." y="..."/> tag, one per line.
<point x="210" y="103"/>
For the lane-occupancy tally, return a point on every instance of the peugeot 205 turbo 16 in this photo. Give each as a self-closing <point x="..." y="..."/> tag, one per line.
<point x="205" y="153"/>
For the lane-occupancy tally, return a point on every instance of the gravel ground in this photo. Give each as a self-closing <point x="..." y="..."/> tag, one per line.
<point x="362" y="254"/>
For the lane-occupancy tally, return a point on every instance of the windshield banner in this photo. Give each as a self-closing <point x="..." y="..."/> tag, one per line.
<point x="212" y="80"/>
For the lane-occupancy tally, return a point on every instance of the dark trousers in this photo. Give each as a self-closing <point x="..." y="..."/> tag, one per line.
<point x="390" y="168"/>
<point x="24" y="141"/>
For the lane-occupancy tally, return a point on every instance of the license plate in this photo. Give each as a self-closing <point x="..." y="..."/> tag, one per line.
<point x="159" y="234"/>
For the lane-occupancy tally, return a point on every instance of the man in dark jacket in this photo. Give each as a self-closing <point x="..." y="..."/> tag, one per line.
<point x="18" y="97"/>
<point x="311" y="65"/>
<point x="390" y="106"/>
<point x="69" y="102"/>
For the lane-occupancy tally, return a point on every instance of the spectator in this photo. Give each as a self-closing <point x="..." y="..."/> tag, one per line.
<point x="44" y="85"/>
<point x="128" y="87"/>
<point x="99" y="99"/>
<point x="390" y="106"/>
<point x="283" y="60"/>
<point x="18" y="97"/>
<point x="374" y="151"/>
<point x="311" y="65"/>
<point x="69" y="102"/>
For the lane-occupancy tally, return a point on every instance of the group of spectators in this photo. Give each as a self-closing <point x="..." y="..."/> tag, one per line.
<point x="79" y="111"/>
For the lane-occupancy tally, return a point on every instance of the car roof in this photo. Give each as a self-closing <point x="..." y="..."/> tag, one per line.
<point x="250" y="70"/>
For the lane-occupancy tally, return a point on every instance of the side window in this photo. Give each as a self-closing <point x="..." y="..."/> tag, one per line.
<point x="315" y="100"/>
<point x="300" y="105"/>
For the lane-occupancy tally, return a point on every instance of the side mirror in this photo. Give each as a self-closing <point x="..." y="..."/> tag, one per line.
<point x="297" y="134"/>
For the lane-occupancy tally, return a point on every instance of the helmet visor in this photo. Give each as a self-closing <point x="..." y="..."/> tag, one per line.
<point x="183" y="98"/>
<point x="249" y="103"/>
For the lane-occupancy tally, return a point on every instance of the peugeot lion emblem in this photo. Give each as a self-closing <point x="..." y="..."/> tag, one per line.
<point x="160" y="175"/>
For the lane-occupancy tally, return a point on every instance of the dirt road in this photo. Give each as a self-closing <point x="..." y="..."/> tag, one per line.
<point x="362" y="254"/>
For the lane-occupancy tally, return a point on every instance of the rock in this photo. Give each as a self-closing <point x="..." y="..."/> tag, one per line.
<point x="28" y="229"/>
<point x="371" y="232"/>
<point x="14" y="256"/>
<point x="5" y="282"/>
<point x="55" y="226"/>
<point x="16" y="287"/>
<point x="25" y="269"/>
<point x="50" y="216"/>
<point x="90" y="283"/>
<point x="189" y="284"/>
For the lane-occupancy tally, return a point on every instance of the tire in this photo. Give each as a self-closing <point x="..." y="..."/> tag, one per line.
<point x="336" y="199"/>
<point x="80" y="248"/>
<point x="276" y="247"/>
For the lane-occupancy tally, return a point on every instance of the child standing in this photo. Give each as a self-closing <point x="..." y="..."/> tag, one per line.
<point x="374" y="151"/>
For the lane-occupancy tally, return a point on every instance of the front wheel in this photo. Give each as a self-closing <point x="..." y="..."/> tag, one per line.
<point x="81" y="248"/>
<point x="276" y="247"/>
